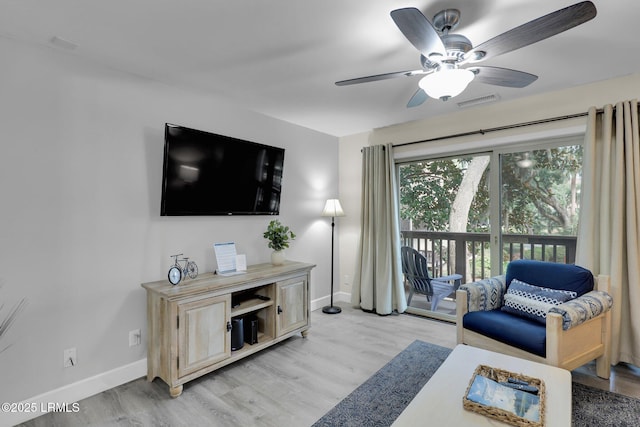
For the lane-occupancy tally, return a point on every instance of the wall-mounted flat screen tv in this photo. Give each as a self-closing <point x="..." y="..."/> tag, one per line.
<point x="209" y="174"/>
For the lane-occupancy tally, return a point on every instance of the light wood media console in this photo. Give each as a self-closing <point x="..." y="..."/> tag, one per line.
<point x="189" y="325"/>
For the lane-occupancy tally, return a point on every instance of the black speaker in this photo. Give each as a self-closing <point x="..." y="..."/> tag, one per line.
<point x="237" y="333"/>
<point x="251" y="330"/>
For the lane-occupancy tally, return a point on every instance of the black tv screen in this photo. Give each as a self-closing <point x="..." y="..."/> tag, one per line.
<point x="209" y="174"/>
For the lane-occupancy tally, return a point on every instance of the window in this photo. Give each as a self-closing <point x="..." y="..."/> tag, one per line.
<point x="539" y="203"/>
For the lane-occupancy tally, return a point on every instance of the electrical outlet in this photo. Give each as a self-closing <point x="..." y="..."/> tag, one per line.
<point x="135" y="337"/>
<point x="70" y="358"/>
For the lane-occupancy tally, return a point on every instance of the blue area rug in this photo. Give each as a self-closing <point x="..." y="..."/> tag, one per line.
<point x="593" y="407"/>
<point x="381" y="399"/>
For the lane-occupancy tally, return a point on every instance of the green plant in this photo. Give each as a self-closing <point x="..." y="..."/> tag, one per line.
<point x="7" y="319"/>
<point x="278" y="235"/>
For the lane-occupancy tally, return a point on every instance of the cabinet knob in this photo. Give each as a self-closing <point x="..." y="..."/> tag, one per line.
<point x="279" y="309"/>
<point x="229" y="327"/>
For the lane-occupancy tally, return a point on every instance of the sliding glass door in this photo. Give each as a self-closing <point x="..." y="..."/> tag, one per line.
<point x="444" y="215"/>
<point x="470" y="215"/>
<point x="540" y="203"/>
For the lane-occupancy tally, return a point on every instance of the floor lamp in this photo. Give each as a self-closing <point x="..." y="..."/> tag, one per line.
<point x="333" y="209"/>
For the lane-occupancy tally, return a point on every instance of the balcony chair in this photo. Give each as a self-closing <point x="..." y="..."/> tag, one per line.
<point x="539" y="311"/>
<point x="416" y="274"/>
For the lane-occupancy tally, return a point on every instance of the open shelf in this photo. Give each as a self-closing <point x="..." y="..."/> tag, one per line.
<point x="250" y="305"/>
<point x="264" y="340"/>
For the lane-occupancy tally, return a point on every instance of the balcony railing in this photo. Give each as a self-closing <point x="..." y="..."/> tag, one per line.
<point x="468" y="254"/>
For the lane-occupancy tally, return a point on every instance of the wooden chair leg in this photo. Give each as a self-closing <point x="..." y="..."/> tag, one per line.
<point x="603" y="363"/>
<point x="603" y="367"/>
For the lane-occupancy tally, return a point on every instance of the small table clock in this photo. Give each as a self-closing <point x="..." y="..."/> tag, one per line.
<point x="175" y="275"/>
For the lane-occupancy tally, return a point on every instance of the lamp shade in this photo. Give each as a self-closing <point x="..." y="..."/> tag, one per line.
<point x="332" y="208"/>
<point x="446" y="83"/>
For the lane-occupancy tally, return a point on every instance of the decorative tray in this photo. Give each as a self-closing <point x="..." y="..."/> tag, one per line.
<point x="509" y="397"/>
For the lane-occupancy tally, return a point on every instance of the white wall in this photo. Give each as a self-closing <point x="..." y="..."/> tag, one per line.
<point x="350" y="171"/>
<point x="80" y="179"/>
<point x="542" y="106"/>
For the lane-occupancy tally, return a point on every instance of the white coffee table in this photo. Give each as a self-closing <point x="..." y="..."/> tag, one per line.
<point x="439" y="403"/>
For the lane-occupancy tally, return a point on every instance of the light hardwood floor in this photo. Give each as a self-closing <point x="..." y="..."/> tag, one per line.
<point x="291" y="384"/>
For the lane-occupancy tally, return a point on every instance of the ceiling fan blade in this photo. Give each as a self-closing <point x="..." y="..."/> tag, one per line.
<point x="418" y="98"/>
<point x="502" y="76"/>
<point x="418" y="30"/>
<point x="534" y="31"/>
<point x="380" y="77"/>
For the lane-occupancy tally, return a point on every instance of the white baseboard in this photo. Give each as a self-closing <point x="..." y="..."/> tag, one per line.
<point x="337" y="297"/>
<point x="75" y="392"/>
<point x="90" y="386"/>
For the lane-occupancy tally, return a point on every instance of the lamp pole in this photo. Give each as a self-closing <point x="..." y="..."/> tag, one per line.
<point x="331" y="309"/>
<point x="333" y="209"/>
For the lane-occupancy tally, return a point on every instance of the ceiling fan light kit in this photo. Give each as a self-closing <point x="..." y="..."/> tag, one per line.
<point x="447" y="58"/>
<point x="446" y="83"/>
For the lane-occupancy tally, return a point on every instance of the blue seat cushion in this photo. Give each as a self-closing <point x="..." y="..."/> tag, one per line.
<point x="567" y="277"/>
<point x="513" y="330"/>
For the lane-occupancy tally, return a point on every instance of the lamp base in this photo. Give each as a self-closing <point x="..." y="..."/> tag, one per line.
<point x="331" y="309"/>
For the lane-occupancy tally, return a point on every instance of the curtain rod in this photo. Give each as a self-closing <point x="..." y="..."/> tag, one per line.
<point x="495" y="129"/>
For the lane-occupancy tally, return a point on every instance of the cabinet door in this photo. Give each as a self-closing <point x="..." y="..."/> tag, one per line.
<point x="293" y="305"/>
<point x="203" y="338"/>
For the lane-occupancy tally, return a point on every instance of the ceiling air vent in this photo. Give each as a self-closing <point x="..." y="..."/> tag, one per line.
<point x="480" y="100"/>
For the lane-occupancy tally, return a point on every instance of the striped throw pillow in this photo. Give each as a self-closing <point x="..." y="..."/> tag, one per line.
<point x="533" y="302"/>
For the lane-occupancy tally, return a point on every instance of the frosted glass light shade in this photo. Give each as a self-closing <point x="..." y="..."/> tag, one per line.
<point x="446" y="83"/>
<point x="332" y="208"/>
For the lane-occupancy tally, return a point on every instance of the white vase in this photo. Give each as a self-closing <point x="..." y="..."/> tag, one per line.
<point x="277" y="257"/>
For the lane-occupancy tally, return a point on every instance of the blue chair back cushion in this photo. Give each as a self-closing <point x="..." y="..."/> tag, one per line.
<point x="513" y="330"/>
<point x="567" y="277"/>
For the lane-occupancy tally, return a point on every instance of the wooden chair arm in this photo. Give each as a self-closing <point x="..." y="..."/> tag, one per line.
<point x="461" y="310"/>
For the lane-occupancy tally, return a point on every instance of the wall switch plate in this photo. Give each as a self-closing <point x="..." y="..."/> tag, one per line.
<point x="70" y="358"/>
<point x="135" y="337"/>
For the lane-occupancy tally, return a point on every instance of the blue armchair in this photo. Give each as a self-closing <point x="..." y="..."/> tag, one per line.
<point x="539" y="311"/>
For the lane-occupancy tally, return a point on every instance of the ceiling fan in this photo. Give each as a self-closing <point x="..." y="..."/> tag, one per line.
<point x="448" y="60"/>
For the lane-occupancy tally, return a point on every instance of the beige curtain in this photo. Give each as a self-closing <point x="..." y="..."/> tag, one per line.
<point x="608" y="240"/>
<point x="377" y="284"/>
